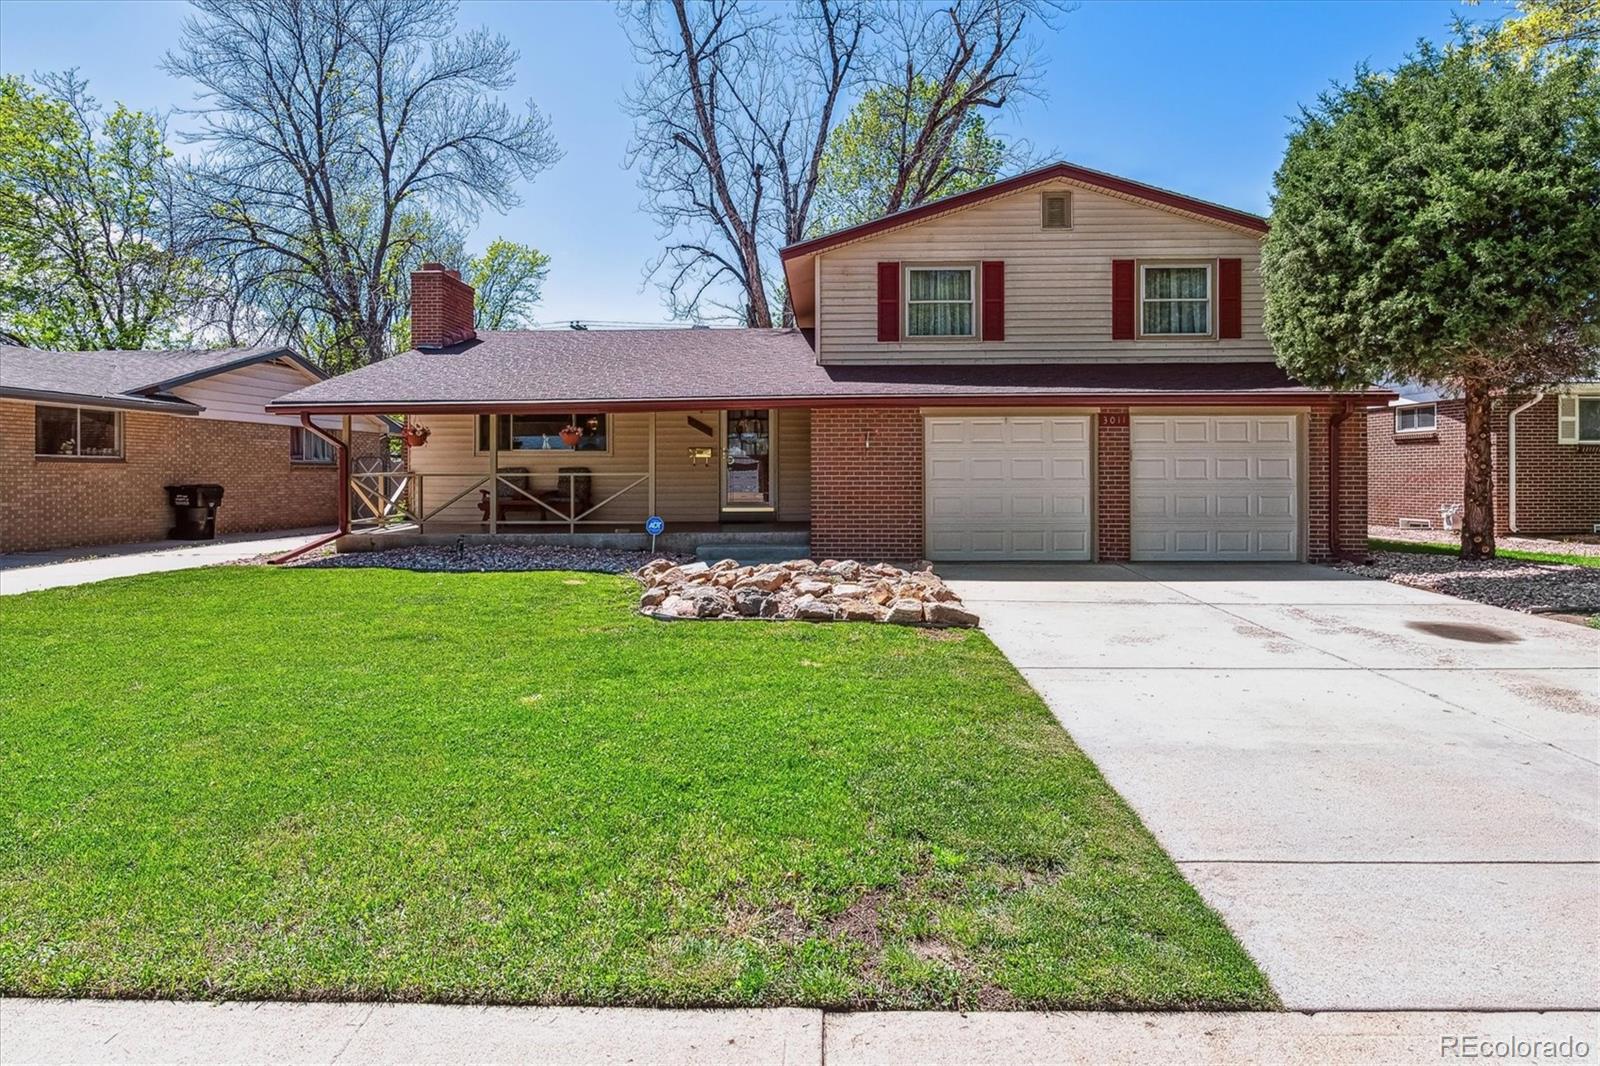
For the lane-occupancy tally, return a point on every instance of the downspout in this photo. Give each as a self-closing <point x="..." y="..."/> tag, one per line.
<point x="1335" y="420"/>
<point x="342" y="450"/>
<point x="1511" y="463"/>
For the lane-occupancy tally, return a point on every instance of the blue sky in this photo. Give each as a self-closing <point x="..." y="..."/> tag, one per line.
<point x="1193" y="96"/>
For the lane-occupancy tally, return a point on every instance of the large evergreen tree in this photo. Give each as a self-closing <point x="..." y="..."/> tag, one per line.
<point x="1441" y="223"/>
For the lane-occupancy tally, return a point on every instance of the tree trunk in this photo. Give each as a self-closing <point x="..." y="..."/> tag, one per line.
<point x="1477" y="499"/>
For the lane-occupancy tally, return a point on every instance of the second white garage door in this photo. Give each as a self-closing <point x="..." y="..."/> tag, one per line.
<point x="1008" y="488"/>
<point x="1215" y="487"/>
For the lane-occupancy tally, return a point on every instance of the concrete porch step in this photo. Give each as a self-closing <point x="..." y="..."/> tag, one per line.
<point x="747" y="553"/>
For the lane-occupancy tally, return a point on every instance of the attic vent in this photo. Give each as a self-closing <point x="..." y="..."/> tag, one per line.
<point x="1058" y="210"/>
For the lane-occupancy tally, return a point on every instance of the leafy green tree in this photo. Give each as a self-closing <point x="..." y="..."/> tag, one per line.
<point x="1542" y="26"/>
<point x="1442" y="223"/>
<point x="92" y="253"/>
<point x="508" y="278"/>
<point x="876" y="162"/>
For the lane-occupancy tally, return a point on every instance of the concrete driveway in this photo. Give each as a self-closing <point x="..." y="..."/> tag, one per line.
<point x="1391" y="796"/>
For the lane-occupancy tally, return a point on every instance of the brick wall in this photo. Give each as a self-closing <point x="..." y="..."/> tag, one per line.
<point x="1113" y="492"/>
<point x="441" y="307"/>
<point x="866" y="483"/>
<point x="52" y="503"/>
<point x="1412" y="475"/>
<point x="1558" y="485"/>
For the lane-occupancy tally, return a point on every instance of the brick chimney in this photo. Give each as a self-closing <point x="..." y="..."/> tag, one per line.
<point x="441" y="307"/>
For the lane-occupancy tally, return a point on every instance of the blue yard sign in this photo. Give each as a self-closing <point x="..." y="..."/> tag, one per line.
<point x="653" y="526"/>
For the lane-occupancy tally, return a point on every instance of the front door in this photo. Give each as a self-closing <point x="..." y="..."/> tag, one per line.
<point x="749" y="460"/>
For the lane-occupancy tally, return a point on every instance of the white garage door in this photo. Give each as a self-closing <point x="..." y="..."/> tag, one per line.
<point x="1215" y="487"/>
<point x="1008" y="488"/>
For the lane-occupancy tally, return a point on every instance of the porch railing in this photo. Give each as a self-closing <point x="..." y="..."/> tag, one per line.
<point x="403" y="496"/>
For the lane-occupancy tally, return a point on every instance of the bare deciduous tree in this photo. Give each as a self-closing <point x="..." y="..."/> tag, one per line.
<point x="734" y="104"/>
<point x="337" y="135"/>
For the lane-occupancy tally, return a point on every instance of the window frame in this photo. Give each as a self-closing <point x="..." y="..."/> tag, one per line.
<point x="971" y="270"/>
<point x="566" y="453"/>
<point x="1416" y="409"/>
<point x="77" y="434"/>
<point x="302" y="434"/>
<point x="1577" y="428"/>
<point x="1143" y="266"/>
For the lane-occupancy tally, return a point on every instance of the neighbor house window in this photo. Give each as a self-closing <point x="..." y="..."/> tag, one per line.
<point x="306" y="447"/>
<point x="1177" y="301"/>
<point x="1589" y="419"/>
<point x="1417" y="418"/>
<point x="77" y="433"/>
<point x="939" y="302"/>
<point x="542" y="433"/>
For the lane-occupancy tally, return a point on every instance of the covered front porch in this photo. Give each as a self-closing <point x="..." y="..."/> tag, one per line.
<point x="591" y="477"/>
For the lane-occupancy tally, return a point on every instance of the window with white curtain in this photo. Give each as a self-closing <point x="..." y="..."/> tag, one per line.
<point x="306" y="447"/>
<point x="1177" y="300"/>
<point x="939" y="302"/>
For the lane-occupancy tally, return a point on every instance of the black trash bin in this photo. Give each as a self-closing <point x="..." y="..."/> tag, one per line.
<point x="194" y="509"/>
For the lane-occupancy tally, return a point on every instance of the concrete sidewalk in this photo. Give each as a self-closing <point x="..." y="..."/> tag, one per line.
<point x="47" y="1031"/>
<point x="30" y="571"/>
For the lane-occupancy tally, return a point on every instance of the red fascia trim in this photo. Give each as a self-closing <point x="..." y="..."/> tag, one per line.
<point x="1092" y="178"/>
<point x="1028" y="399"/>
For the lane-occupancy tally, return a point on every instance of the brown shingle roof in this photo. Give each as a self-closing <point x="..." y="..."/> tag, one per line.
<point x="715" y="367"/>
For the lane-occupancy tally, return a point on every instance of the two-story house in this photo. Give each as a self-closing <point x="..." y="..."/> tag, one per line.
<point x="1064" y="365"/>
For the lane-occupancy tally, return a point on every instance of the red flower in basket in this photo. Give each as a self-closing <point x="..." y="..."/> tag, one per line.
<point x="416" y="436"/>
<point x="571" y="435"/>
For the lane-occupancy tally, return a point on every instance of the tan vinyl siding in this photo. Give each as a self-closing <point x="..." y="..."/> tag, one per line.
<point x="686" y="491"/>
<point x="1058" y="282"/>
<point x="242" y="396"/>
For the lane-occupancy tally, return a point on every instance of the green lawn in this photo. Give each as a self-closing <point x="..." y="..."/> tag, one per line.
<point x="1379" y="545"/>
<point x="248" y="782"/>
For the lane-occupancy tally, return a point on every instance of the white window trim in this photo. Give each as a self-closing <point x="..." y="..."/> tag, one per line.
<point x="1577" y="429"/>
<point x="1208" y="266"/>
<point x="306" y="435"/>
<point x="1401" y="430"/>
<point x="972" y="302"/>
<point x="563" y="454"/>
<point x="77" y="434"/>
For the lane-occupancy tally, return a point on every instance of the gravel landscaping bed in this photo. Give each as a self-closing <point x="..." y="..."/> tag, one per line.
<point x="1576" y="545"/>
<point x="1538" y="588"/>
<point x="485" y="558"/>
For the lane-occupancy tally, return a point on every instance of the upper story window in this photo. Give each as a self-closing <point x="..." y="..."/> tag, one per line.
<point x="939" y="302"/>
<point x="1176" y="300"/>
<point x="77" y="433"/>
<point x="1416" y="418"/>
<point x="542" y="433"/>
<point x="306" y="447"/>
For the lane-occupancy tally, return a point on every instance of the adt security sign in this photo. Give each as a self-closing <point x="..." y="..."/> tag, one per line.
<point x="653" y="526"/>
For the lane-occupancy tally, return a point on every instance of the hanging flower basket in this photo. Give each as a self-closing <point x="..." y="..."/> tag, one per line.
<point x="571" y="435"/>
<point x="416" y="436"/>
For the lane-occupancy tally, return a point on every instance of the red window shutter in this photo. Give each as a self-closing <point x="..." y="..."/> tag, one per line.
<point x="1122" y="299"/>
<point x="1230" y="299"/>
<point x="994" y="300"/>
<point x="888" y="301"/>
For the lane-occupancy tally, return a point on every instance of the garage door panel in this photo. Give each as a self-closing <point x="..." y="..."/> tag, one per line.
<point x="1012" y="487"/>
<point x="1214" y="487"/>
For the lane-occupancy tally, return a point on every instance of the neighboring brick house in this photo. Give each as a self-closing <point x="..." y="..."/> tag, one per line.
<point x="1416" y="460"/>
<point x="1061" y="365"/>
<point x="89" y="440"/>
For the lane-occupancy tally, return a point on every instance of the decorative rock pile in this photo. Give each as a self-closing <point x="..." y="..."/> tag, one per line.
<point x="829" y="591"/>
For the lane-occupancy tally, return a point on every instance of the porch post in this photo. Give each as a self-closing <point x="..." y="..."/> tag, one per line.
<point x="345" y="436"/>
<point x="494" y="474"/>
<point x="650" y="468"/>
